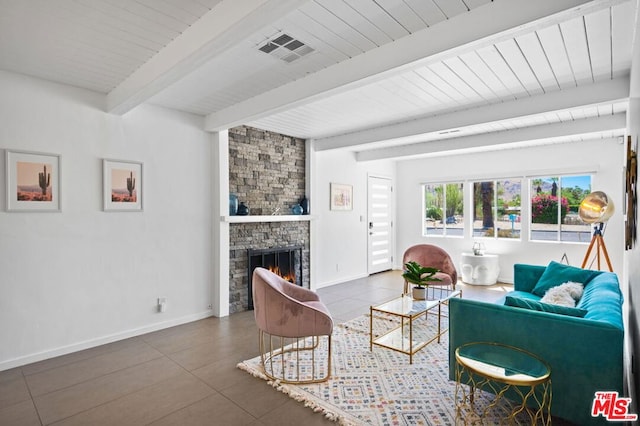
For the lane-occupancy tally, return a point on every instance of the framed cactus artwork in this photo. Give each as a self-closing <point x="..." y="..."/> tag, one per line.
<point x="122" y="185"/>
<point x="33" y="182"/>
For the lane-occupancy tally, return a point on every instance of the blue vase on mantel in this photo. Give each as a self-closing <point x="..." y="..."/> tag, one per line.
<point x="304" y="203"/>
<point x="243" y="210"/>
<point x="233" y="204"/>
<point x="296" y="209"/>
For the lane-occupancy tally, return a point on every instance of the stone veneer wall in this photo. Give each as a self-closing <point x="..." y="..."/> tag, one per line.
<point x="267" y="172"/>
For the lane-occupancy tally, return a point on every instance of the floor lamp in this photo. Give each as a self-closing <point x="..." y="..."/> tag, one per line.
<point x="596" y="208"/>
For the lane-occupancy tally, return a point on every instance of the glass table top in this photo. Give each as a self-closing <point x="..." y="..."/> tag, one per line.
<point x="406" y="305"/>
<point x="503" y="362"/>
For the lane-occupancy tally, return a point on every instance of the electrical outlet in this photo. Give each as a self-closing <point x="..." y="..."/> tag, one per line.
<point x="162" y="304"/>
<point x="210" y="306"/>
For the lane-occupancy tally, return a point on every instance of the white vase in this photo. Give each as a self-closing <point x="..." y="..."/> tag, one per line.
<point x="419" y="293"/>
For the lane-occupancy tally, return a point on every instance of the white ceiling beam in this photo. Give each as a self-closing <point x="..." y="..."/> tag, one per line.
<point x="482" y="26"/>
<point x="216" y="31"/>
<point x="598" y="93"/>
<point x="493" y="140"/>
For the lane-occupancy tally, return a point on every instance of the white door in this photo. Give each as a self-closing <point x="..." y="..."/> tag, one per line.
<point x="380" y="224"/>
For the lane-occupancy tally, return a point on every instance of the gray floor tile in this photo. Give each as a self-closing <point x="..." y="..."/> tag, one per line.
<point x="184" y="375"/>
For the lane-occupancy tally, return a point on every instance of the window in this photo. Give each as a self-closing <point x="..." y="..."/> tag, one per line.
<point x="443" y="209"/>
<point x="496" y="208"/>
<point x="554" y="208"/>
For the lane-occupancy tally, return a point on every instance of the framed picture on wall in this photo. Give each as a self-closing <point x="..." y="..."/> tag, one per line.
<point x="122" y="185"/>
<point x="341" y="196"/>
<point x="33" y="181"/>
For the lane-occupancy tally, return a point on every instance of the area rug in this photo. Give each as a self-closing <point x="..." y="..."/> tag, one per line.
<point x="379" y="387"/>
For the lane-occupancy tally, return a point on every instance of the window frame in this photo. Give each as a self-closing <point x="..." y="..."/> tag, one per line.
<point x="559" y="230"/>
<point x="495" y="198"/>
<point x="526" y="217"/>
<point x="443" y="209"/>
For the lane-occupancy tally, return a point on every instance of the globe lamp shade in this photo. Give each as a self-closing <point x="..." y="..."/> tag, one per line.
<point x="596" y="207"/>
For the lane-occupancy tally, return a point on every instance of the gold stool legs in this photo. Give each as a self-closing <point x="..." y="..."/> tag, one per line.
<point x="531" y="408"/>
<point x="300" y="360"/>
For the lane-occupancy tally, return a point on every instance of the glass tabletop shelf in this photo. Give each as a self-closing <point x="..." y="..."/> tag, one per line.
<point x="408" y="328"/>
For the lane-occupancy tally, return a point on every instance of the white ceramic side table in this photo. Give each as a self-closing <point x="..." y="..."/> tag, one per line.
<point x="479" y="270"/>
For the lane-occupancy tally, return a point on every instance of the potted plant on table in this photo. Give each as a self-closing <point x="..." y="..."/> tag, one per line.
<point x="421" y="276"/>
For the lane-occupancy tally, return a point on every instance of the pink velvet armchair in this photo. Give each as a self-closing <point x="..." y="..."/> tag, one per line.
<point x="435" y="257"/>
<point x="300" y="325"/>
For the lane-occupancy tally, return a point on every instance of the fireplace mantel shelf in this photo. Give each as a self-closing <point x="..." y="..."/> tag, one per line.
<point x="270" y="218"/>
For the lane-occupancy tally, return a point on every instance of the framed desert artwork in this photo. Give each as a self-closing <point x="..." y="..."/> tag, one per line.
<point x="122" y="185"/>
<point x="341" y="196"/>
<point x="33" y="181"/>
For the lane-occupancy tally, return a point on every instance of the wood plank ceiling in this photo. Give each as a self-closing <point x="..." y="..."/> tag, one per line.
<point x="99" y="44"/>
<point x="337" y="30"/>
<point x="87" y="43"/>
<point x="580" y="51"/>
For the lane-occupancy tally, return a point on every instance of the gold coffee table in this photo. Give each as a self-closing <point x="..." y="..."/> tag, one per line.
<point x="507" y="372"/>
<point x="404" y="333"/>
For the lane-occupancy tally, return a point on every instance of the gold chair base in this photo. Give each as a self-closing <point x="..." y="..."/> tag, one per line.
<point x="295" y="360"/>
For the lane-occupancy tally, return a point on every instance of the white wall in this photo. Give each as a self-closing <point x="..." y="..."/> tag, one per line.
<point x="82" y="277"/>
<point x="631" y="285"/>
<point x="603" y="156"/>
<point x="339" y="238"/>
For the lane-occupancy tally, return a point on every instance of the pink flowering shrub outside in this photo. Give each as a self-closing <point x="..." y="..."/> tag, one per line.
<point x="544" y="209"/>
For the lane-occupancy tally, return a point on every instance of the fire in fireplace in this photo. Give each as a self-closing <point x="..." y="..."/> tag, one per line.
<point x="284" y="261"/>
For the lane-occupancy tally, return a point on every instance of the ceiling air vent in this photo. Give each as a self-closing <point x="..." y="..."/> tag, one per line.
<point x="286" y="48"/>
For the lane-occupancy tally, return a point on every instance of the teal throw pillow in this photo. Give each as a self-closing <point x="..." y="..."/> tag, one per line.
<point x="534" y="305"/>
<point x="557" y="273"/>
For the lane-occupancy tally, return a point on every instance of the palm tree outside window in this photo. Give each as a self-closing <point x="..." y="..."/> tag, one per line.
<point x="497" y="208"/>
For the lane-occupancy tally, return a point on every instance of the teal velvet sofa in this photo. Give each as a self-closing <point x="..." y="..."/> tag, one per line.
<point x="585" y="353"/>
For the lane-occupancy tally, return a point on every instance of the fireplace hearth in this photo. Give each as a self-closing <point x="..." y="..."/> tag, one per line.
<point x="284" y="261"/>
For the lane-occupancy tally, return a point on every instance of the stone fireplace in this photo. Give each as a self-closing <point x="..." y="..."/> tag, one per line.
<point x="267" y="173"/>
<point x="283" y="261"/>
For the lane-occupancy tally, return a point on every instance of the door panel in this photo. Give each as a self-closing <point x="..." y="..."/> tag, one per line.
<point x="380" y="229"/>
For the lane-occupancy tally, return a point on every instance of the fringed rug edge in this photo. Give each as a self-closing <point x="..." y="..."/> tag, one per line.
<point x="309" y="401"/>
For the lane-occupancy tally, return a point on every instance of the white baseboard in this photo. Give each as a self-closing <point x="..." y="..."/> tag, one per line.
<point x="64" y="350"/>
<point x="340" y="281"/>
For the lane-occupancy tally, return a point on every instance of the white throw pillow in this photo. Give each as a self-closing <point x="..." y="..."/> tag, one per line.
<point x="574" y="289"/>
<point x="566" y="294"/>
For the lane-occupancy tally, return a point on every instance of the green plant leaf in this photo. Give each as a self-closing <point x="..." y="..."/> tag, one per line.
<point x="419" y="275"/>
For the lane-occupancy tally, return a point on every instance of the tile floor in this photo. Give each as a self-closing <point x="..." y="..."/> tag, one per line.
<point x="184" y="375"/>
